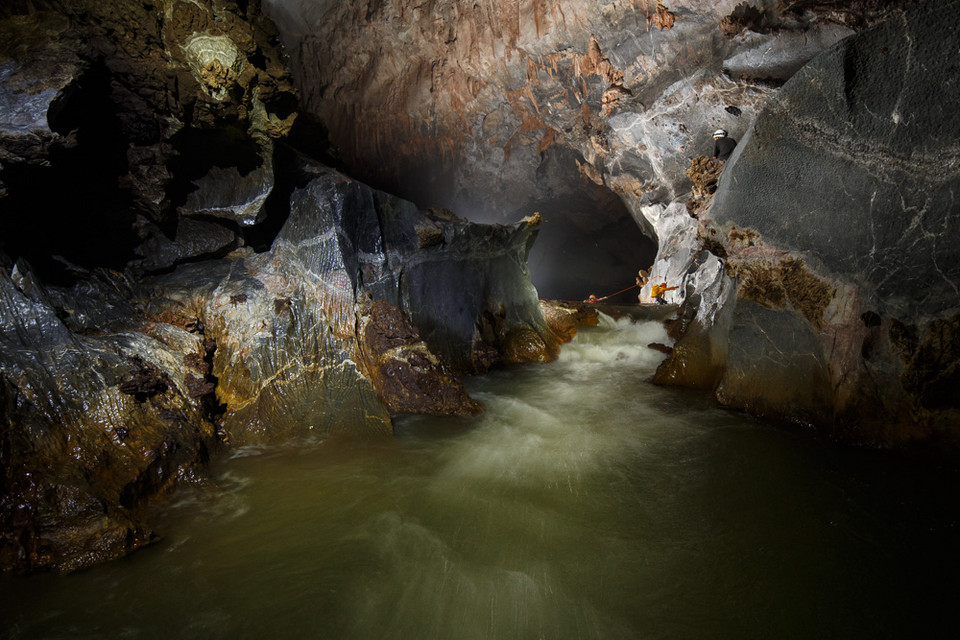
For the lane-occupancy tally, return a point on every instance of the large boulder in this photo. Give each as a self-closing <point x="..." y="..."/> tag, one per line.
<point x="855" y="163"/>
<point x="100" y="413"/>
<point x="363" y="305"/>
<point x="115" y="389"/>
<point x="837" y="214"/>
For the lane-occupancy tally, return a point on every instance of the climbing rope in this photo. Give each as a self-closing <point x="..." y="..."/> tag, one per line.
<point x="616" y="293"/>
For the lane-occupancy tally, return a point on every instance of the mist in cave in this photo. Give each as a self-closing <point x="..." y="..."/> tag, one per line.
<point x="200" y="402"/>
<point x="571" y="509"/>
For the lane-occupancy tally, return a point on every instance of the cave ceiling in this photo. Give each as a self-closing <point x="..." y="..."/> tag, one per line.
<point x="498" y="108"/>
<point x="150" y="113"/>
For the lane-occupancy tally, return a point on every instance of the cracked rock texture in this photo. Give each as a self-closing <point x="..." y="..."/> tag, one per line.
<point x="116" y="389"/>
<point x="838" y="213"/>
<point x="496" y="109"/>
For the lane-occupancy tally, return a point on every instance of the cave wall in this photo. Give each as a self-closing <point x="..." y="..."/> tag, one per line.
<point x="822" y="250"/>
<point x="178" y="276"/>
<point x="136" y="133"/>
<point x="837" y="218"/>
<point x="498" y="109"/>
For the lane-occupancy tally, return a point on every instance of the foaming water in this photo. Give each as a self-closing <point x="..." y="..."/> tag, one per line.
<point x="584" y="503"/>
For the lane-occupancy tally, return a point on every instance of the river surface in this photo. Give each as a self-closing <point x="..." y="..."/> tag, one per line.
<point x="584" y="503"/>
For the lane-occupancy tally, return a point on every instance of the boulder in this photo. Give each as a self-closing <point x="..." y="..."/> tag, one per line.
<point x="303" y="330"/>
<point x="94" y="425"/>
<point x="836" y="214"/>
<point x="855" y="163"/>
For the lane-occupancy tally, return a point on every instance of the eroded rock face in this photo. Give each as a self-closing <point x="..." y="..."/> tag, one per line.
<point x="136" y="114"/>
<point x="301" y="329"/>
<point x="115" y="389"/>
<point x="408" y="376"/>
<point x="837" y="215"/>
<point x="95" y="423"/>
<point x="498" y="109"/>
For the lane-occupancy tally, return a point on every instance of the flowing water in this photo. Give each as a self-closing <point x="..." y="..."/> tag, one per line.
<point x="585" y="503"/>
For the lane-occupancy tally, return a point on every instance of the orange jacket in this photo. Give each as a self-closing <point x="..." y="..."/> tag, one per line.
<point x="659" y="289"/>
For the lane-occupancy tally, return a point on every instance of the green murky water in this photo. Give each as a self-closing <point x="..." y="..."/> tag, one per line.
<point x="585" y="503"/>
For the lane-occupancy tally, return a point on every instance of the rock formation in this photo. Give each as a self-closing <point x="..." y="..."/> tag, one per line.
<point x="174" y="280"/>
<point x="836" y="219"/>
<point x="496" y="109"/>
<point x="495" y="97"/>
<point x="158" y="118"/>
<point x="181" y="269"/>
<point x="115" y="389"/>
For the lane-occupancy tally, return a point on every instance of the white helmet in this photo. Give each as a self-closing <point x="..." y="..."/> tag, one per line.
<point x="719" y="133"/>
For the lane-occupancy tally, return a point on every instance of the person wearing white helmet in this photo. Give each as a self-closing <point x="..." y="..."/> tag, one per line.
<point x="723" y="146"/>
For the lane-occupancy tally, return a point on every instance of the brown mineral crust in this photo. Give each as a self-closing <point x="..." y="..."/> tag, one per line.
<point x="408" y="378"/>
<point x="662" y="18"/>
<point x="787" y="281"/>
<point x="704" y="173"/>
<point x="929" y="358"/>
<point x="743" y="17"/>
<point x="564" y="319"/>
<point x="143" y="380"/>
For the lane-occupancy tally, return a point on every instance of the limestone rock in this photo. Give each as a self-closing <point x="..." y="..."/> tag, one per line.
<point x="225" y="193"/>
<point x="564" y="319"/>
<point x="855" y="163"/>
<point x="775" y="367"/>
<point x="93" y="427"/>
<point x="838" y="207"/>
<point x="408" y="377"/>
<point x="299" y="328"/>
<point x="496" y="109"/>
<point x="115" y="389"/>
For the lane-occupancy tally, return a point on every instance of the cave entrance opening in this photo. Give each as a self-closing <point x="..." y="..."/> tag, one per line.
<point x="589" y="244"/>
<point x="589" y="241"/>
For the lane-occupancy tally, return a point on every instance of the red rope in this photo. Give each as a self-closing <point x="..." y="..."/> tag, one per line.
<point x="633" y="286"/>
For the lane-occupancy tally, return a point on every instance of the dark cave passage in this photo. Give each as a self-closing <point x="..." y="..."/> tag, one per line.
<point x="69" y="213"/>
<point x="589" y="241"/>
<point x="568" y="262"/>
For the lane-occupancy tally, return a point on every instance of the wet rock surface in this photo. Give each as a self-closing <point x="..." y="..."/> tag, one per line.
<point x="174" y="279"/>
<point x="409" y="378"/>
<point x="95" y="425"/>
<point x="836" y="214"/>
<point x="117" y="388"/>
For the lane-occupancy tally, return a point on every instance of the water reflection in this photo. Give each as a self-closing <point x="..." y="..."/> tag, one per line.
<point x="585" y="503"/>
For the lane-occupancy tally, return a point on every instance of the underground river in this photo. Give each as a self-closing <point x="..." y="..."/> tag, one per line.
<point x="585" y="503"/>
